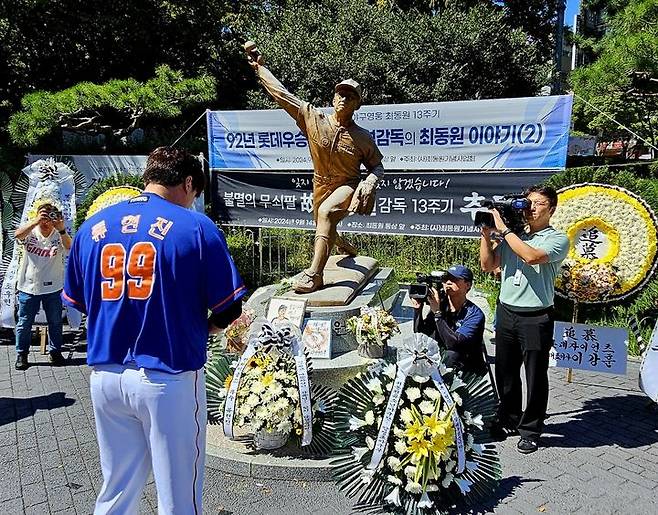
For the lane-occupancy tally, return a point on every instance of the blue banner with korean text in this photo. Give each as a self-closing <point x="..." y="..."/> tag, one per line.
<point x="500" y="134"/>
<point x="412" y="203"/>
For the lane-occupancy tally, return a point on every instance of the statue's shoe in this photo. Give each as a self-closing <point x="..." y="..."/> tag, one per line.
<point x="345" y="247"/>
<point x="308" y="283"/>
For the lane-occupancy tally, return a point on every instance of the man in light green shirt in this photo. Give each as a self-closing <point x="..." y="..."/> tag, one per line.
<point x="530" y="263"/>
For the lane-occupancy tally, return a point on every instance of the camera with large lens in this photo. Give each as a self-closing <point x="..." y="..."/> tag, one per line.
<point x="421" y="288"/>
<point x="512" y="210"/>
<point x="53" y="213"/>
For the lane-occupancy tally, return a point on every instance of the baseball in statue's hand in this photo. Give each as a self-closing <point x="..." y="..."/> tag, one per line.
<point x="253" y="54"/>
<point x="363" y="200"/>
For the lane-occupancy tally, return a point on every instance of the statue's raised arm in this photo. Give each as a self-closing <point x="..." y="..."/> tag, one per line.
<point x="272" y="85"/>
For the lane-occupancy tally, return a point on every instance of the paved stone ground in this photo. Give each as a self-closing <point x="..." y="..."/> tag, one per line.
<point x="599" y="453"/>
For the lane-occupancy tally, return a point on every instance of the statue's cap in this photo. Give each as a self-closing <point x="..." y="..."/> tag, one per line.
<point x="350" y="84"/>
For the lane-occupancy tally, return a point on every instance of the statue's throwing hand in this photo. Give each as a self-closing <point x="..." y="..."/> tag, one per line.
<point x="363" y="200"/>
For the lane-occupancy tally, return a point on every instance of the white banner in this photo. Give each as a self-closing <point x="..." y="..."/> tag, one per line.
<point x="513" y="133"/>
<point x="589" y="347"/>
<point x="49" y="181"/>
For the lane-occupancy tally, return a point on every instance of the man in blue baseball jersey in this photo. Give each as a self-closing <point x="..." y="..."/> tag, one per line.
<point x="147" y="271"/>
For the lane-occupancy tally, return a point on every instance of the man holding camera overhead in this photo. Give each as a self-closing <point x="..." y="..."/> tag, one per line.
<point x="40" y="281"/>
<point x="530" y="261"/>
<point x="453" y="321"/>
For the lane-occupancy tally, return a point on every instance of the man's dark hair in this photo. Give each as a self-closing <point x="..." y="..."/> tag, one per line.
<point x="545" y="191"/>
<point x="170" y="166"/>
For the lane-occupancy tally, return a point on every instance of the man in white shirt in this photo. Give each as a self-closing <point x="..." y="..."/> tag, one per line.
<point x="40" y="281"/>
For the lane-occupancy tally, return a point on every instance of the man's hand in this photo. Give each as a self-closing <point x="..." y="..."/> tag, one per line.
<point x="363" y="200"/>
<point x="415" y="303"/>
<point x="43" y="215"/>
<point x="59" y="223"/>
<point x="433" y="300"/>
<point x="498" y="220"/>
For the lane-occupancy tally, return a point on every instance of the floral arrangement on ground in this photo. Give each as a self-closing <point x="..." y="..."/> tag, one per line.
<point x="434" y="454"/>
<point x="372" y="328"/>
<point x="267" y="399"/>
<point x="613" y="243"/>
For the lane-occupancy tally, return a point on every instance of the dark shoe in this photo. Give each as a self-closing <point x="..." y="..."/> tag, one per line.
<point x="21" y="361"/>
<point x="526" y="446"/>
<point x="56" y="358"/>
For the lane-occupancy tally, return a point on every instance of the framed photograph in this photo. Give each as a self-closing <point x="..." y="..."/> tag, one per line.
<point x="282" y="311"/>
<point x="316" y="338"/>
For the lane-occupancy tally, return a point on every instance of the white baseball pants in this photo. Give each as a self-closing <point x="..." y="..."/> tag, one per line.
<point x="146" y="419"/>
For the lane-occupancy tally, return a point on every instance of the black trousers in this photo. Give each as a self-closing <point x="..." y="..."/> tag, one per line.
<point x="523" y="338"/>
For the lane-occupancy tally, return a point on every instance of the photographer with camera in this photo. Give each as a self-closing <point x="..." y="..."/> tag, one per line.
<point x="453" y="321"/>
<point x="40" y="281"/>
<point x="530" y="261"/>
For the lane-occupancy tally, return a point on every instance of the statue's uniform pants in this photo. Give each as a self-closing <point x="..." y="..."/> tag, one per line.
<point x="147" y="419"/>
<point x="330" y="204"/>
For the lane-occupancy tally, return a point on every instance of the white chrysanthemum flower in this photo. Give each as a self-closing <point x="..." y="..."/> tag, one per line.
<point x="421" y="379"/>
<point x="275" y="389"/>
<point x="281" y="374"/>
<point x="432" y="393"/>
<point x="389" y="387"/>
<point x="398" y="431"/>
<point x="378" y="399"/>
<point x="431" y="487"/>
<point x="400" y="447"/>
<point x="413" y="393"/>
<point x="413" y="487"/>
<point x="257" y="387"/>
<point x="252" y="401"/>
<point x="369" y="418"/>
<point x="394" y="480"/>
<point x="394" y="463"/>
<point x="406" y="415"/>
<point x="370" y="443"/>
<point x="457" y="399"/>
<point x="426" y="407"/>
<point x="284" y="426"/>
<point x="410" y="471"/>
<point x="292" y="393"/>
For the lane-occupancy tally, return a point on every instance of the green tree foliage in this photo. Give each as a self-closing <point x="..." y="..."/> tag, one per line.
<point x="52" y="45"/>
<point x="114" y="108"/>
<point x="611" y="84"/>
<point x="398" y="57"/>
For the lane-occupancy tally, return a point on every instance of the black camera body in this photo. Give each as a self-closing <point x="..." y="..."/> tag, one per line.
<point x="512" y="210"/>
<point x="421" y="288"/>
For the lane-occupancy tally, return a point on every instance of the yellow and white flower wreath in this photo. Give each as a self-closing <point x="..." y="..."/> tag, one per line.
<point x="112" y="196"/>
<point x="609" y="225"/>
